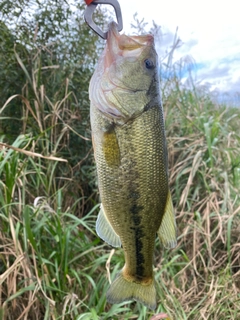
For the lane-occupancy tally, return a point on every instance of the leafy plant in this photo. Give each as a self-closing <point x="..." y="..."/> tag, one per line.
<point x="52" y="264"/>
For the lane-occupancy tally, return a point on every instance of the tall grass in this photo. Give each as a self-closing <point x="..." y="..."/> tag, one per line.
<point x="52" y="264"/>
<point x="203" y="155"/>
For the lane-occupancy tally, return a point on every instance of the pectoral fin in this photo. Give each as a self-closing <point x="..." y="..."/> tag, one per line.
<point x="105" y="230"/>
<point x="167" y="230"/>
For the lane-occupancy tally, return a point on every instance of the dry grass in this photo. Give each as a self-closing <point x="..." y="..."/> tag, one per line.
<point x="203" y="149"/>
<point x="53" y="266"/>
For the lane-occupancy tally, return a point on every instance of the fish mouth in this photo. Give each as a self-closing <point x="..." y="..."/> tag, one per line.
<point x="123" y="45"/>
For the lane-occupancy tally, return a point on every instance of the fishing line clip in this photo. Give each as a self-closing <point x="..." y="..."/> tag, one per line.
<point x="92" y="5"/>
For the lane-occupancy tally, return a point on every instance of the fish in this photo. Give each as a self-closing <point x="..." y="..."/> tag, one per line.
<point x="130" y="152"/>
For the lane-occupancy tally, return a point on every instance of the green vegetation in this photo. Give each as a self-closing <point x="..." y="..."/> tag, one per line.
<point x="52" y="264"/>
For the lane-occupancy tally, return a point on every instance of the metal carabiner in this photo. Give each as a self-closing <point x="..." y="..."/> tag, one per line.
<point x="89" y="12"/>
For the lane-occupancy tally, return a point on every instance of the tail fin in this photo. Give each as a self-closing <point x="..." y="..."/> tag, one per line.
<point x="123" y="290"/>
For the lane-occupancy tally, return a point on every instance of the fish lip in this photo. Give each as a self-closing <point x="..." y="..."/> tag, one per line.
<point x="124" y="46"/>
<point x="112" y="30"/>
<point x="127" y="42"/>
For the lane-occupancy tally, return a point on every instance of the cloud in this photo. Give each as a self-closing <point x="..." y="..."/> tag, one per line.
<point x="236" y="86"/>
<point x="188" y="45"/>
<point x="165" y="40"/>
<point x="222" y="79"/>
<point x="213" y="71"/>
<point x="213" y="44"/>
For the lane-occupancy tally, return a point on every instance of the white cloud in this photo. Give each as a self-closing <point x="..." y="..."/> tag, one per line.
<point x="209" y="31"/>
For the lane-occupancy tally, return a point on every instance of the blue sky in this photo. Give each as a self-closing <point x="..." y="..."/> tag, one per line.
<point x="209" y="31"/>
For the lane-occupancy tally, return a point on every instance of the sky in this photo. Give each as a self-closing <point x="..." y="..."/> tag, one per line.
<point x="209" y="31"/>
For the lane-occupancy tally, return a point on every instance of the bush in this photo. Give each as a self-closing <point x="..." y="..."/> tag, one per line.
<point x="52" y="264"/>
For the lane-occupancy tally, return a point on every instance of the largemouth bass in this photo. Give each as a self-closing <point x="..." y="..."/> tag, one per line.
<point x="131" y="157"/>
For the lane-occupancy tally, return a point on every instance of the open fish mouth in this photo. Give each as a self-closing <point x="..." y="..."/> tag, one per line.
<point x="125" y="46"/>
<point x="125" y="70"/>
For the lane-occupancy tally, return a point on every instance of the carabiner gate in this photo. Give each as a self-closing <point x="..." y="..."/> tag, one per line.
<point x="89" y="12"/>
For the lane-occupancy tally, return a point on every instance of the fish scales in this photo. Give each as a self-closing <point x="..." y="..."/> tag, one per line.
<point x="134" y="192"/>
<point x="131" y="157"/>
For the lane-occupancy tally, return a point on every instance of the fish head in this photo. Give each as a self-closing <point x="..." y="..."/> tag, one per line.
<point x="125" y="81"/>
<point x="130" y="61"/>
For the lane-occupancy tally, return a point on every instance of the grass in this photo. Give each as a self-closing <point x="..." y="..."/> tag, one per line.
<point x="52" y="264"/>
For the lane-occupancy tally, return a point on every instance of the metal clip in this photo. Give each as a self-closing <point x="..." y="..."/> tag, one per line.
<point x="89" y="12"/>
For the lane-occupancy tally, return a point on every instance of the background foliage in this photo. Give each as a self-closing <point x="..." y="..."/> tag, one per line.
<point x="52" y="264"/>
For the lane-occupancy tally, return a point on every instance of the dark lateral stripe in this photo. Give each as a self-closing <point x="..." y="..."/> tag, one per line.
<point x="139" y="235"/>
<point x="135" y="209"/>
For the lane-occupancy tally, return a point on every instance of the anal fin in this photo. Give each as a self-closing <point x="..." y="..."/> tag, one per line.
<point x="167" y="230"/>
<point x="105" y="230"/>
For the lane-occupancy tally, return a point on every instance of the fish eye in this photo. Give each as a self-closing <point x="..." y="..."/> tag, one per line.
<point x="149" y="64"/>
